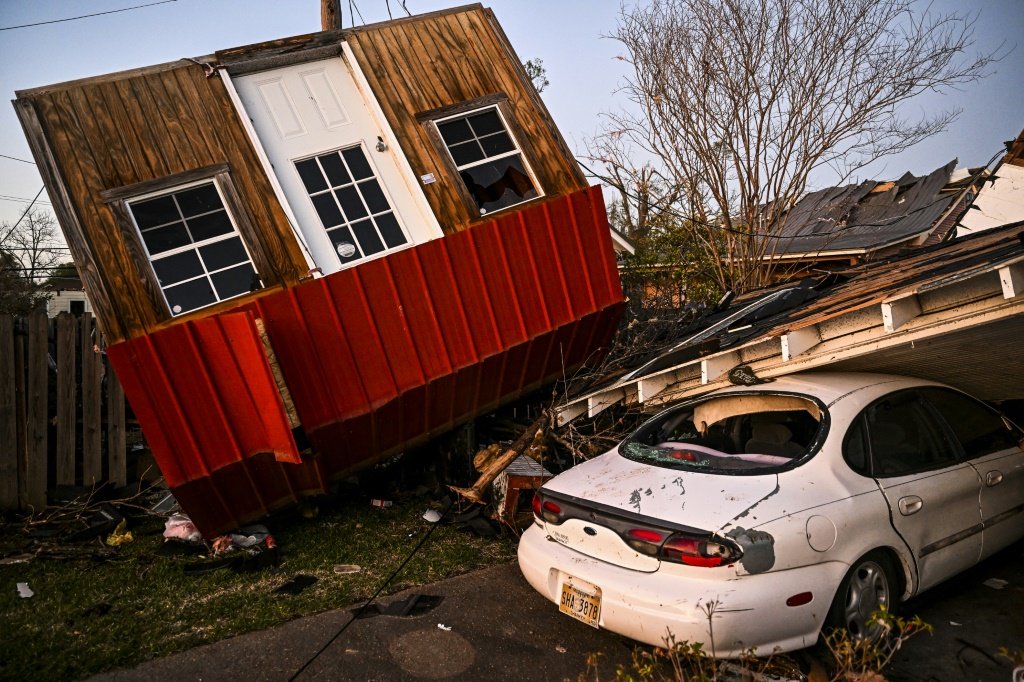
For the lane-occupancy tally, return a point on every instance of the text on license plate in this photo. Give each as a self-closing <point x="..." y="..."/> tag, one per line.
<point x="582" y="604"/>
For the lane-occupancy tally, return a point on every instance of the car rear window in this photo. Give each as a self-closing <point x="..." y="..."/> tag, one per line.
<point x="734" y="433"/>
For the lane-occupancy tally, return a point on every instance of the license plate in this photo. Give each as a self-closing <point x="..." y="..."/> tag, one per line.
<point x="581" y="600"/>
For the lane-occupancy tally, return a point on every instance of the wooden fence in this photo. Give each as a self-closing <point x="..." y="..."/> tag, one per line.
<point x="62" y="409"/>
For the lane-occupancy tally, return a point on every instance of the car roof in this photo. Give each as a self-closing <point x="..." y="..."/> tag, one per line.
<point x="831" y="386"/>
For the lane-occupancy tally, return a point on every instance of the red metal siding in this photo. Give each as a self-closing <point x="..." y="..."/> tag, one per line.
<point x="377" y="357"/>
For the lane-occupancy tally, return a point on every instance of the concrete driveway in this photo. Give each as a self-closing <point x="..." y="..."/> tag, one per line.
<point x="491" y="625"/>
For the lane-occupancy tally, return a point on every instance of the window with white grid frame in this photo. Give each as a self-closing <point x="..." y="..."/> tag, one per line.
<point x="351" y="204"/>
<point x="194" y="246"/>
<point x="488" y="159"/>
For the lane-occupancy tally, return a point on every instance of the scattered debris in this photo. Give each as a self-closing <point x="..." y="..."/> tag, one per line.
<point x="296" y="585"/>
<point x="165" y="505"/>
<point x="560" y="649"/>
<point x="101" y="521"/>
<point x="382" y="504"/>
<point x="24" y="591"/>
<point x="432" y="515"/>
<point x="344" y="569"/>
<point x="16" y="559"/>
<point x="442" y="626"/>
<point x="953" y="622"/>
<point x="995" y="583"/>
<point x="121" y="535"/>
<point x="523" y="473"/>
<point x="529" y="443"/>
<point x="180" y="527"/>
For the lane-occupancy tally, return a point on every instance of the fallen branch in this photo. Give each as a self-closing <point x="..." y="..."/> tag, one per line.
<point x="533" y="436"/>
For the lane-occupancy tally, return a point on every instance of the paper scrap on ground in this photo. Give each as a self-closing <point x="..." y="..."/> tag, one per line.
<point x="24" y="591"/>
<point x="995" y="583"/>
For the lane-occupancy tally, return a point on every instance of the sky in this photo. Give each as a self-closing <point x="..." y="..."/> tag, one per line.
<point x="568" y="35"/>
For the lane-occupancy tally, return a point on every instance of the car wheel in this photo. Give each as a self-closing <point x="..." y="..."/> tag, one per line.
<point x="869" y="585"/>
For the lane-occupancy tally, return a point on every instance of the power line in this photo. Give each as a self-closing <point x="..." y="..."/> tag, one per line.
<point x="23" y="200"/>
<point x="15" y="158"/>
<point x="86" y="16"/>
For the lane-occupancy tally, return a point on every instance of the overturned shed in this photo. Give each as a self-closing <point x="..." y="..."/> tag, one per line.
<point x="326" y="239"/>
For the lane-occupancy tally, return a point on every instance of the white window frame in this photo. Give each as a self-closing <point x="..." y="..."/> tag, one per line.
<point x="193" y="246"/>
<point x="517" y="151"/>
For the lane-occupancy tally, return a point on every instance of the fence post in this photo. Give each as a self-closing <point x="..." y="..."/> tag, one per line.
<point x="66" y="384"/>
<point x="92" y="454"/>
<point x="8" y="416"/>
<point x="115" y="429"/>
<point x="33" y="492"/>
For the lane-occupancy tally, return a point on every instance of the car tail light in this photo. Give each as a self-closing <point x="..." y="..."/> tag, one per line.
<point x="547" y="509"/>
<point x="695" y="551"/>
<point x="644" y="540"/>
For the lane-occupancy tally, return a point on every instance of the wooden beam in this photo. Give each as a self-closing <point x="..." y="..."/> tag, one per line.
<point x="898" y="312"/>
<point x="330" y="14"/>
<point x="717" y="365"/>
<point x="799" y="341"/>
<point x="1011" y="277"/>
<point x="566" y="414"/>
<point x="598" y="402"/>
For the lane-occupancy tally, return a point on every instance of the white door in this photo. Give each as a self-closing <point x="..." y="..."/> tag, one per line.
<point x="346" y="186"/>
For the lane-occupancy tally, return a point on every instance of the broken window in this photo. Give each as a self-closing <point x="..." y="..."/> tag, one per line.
<point x="743" y="432"/>
<point x="351" y="204"/>
<point x="488" y="159"/>
<point x="194" y="246"/>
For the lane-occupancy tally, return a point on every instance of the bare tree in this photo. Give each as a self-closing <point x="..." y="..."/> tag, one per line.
<point x="736" y="102"/>
<point x="29" y="251"/>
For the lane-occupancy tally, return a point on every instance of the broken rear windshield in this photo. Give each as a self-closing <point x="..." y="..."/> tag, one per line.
<point x="735" y="433"/>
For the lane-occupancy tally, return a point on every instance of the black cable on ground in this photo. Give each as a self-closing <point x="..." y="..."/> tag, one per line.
<point x="376" y="594"/>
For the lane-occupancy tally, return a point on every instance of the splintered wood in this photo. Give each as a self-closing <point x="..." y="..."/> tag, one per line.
<point x="492" y="461"/>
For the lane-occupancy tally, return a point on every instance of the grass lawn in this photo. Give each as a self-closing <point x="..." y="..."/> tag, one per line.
<point x="89" y="616"/>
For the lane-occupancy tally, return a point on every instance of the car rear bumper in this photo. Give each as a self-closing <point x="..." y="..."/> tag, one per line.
<point x="750" y="611"/>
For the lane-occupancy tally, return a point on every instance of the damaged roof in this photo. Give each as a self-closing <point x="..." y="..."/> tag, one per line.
<point x="951" y="312"/>
<point x="866" y="216"/>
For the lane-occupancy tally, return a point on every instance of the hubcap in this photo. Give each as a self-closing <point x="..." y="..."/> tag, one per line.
<point x="867" y="592"/>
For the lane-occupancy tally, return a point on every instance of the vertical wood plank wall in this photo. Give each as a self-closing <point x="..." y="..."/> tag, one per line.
<point x="113" y="131"/>
<point x="80" y="393"/>
<point x="419" y="64"/>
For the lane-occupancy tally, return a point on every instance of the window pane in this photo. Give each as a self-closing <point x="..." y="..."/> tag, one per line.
<point x="980" y="430"/>
<point x="224" y="253"/>
<point x="178" y="267"/>
<point x="903" y="439"/>
<point x="163" y="239"/>
<point x="344" y="245"/>
<point x="854" y="450"/>
<point x="390" y="230"/>
<point x="152" y="212"/>
<point x="486" y="122"/>
<point x="335" y="170"/>
<point x="499" y="183"/>
<point x="453" y="132"/>
<point x="312" y="178"/>
<point x="190" y="295"/>
<point x="199" y="200"/>
<point x="467" y="152"/>
<point x="374" y="196"/>
<point x="351" y="203"/>
<point x="328" y="210"/>
<point x="236" y="281"/>
<point x="367" y="237"/>
<point x="210" y="225"/>
<point x="497" y="144"/>
<point x="357" y="163"/>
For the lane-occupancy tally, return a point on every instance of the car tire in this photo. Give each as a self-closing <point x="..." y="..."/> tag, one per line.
<point x="870" y="583"/>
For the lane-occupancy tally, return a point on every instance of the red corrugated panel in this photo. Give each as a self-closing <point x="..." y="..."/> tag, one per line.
<point x="377" y="357"/>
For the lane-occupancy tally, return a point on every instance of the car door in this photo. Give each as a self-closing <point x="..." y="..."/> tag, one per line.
<point x="993" y="447"/>
<point x="932" y="495"/>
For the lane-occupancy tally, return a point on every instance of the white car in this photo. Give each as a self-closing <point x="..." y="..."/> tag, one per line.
<point x="810" y="500"/>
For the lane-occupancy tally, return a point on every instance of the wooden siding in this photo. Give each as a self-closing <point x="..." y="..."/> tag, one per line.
<point x="102" y="134"/>
<point x="422" y="64"/>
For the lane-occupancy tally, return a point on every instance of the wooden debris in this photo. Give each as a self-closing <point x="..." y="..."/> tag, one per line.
<point x="529" y="443"/>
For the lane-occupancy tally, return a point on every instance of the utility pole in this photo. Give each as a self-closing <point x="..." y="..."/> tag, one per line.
<point x="330" y="14"/>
